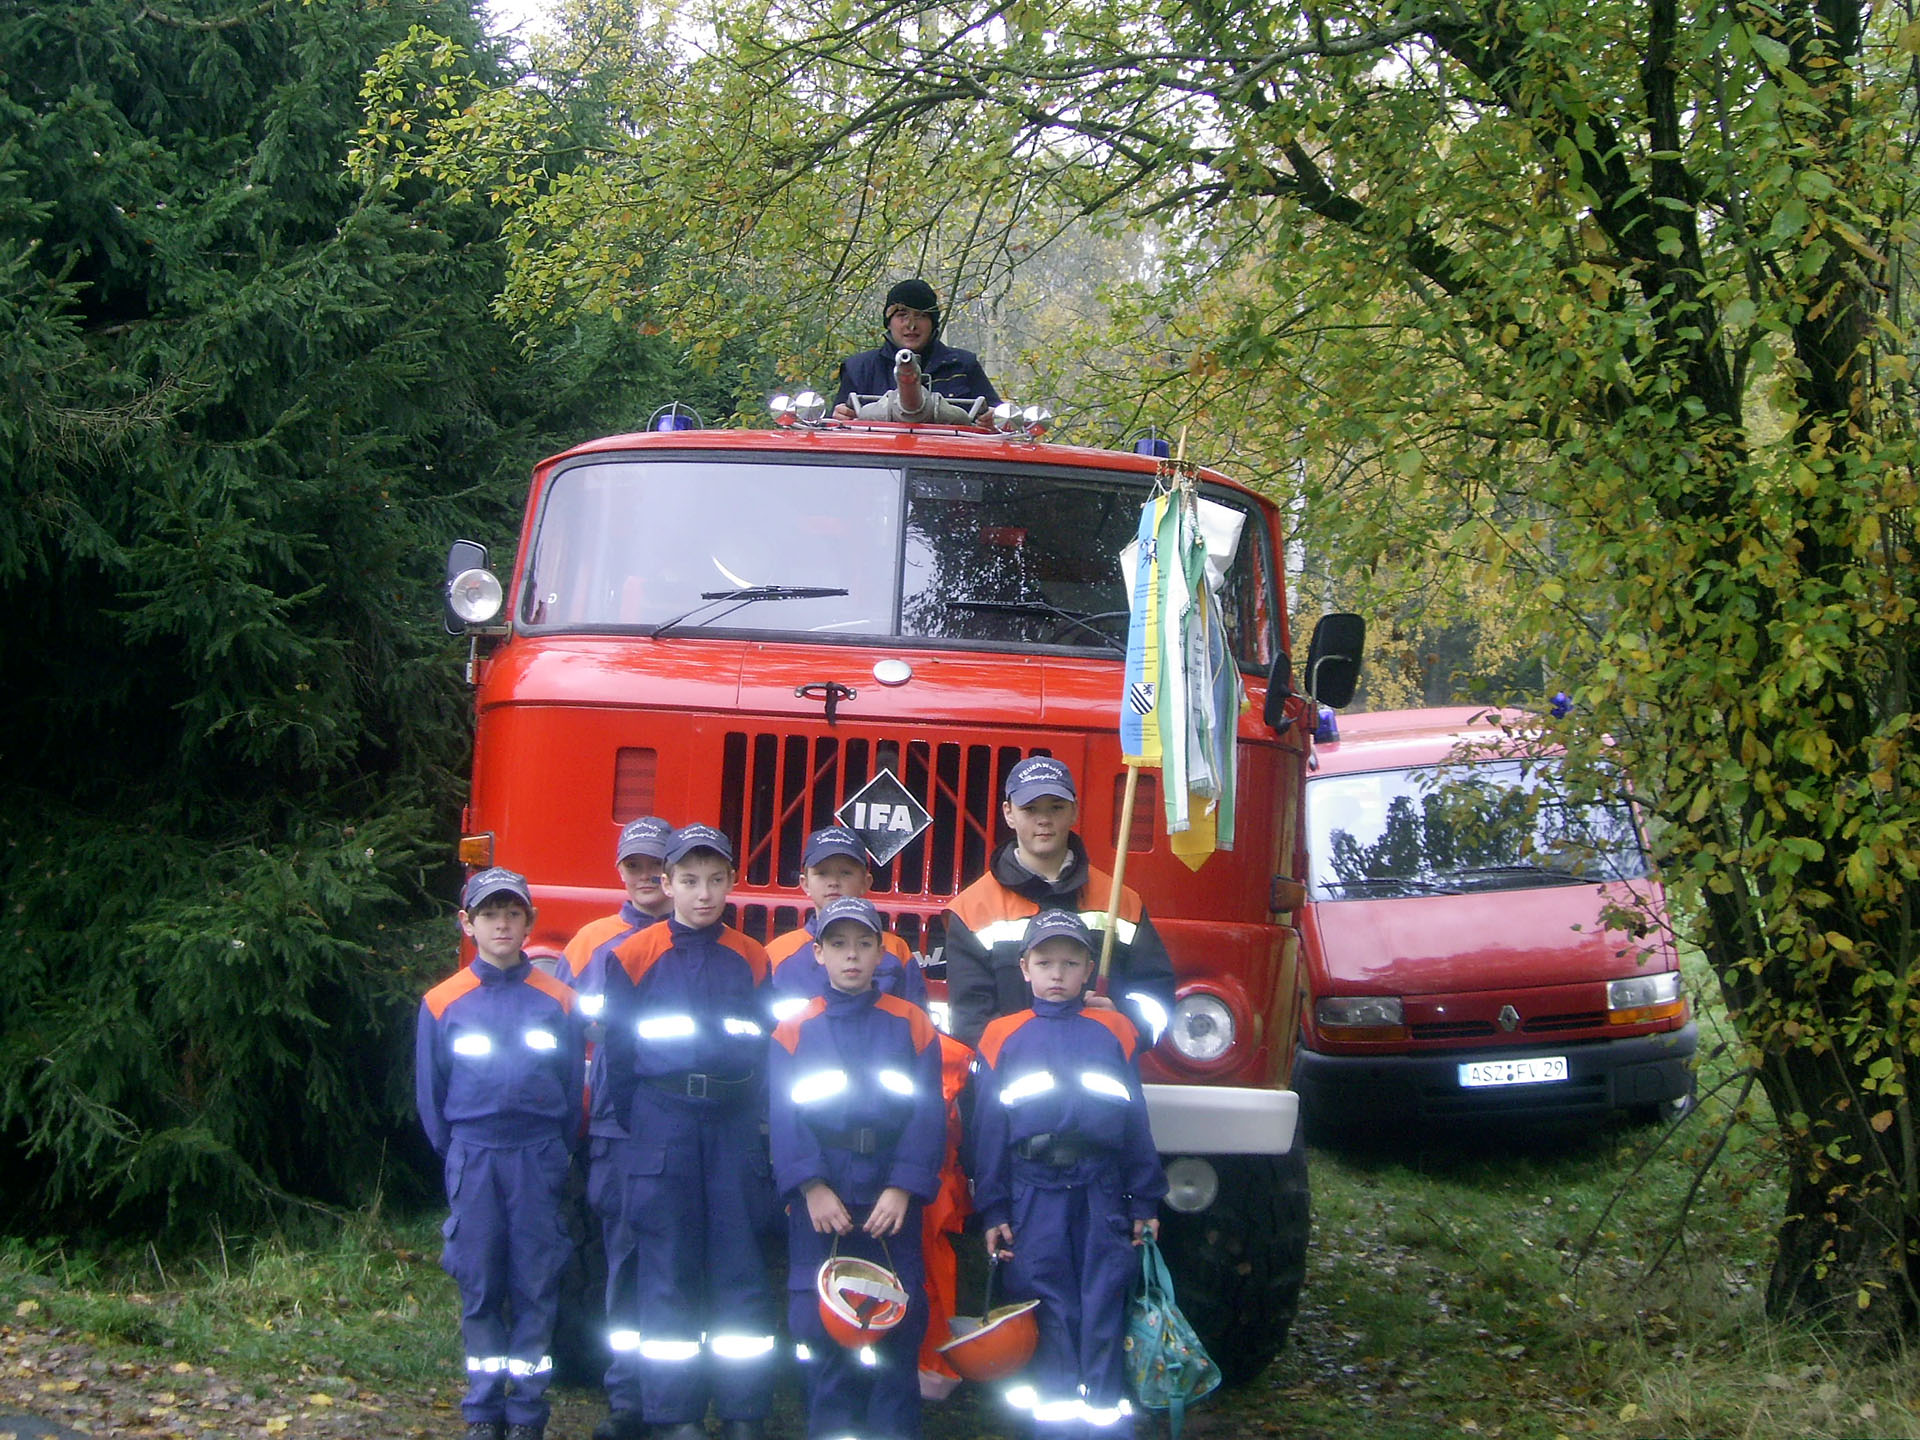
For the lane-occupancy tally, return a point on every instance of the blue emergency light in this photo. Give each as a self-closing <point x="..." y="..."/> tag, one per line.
<point x="1326" y="728"/>
<point x="674" y="417"/>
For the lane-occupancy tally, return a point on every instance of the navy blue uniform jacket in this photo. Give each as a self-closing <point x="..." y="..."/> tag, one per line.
<point x="498" y="1058"/>
<point x="956" y="374"/>
<point x="848" y="1064"/>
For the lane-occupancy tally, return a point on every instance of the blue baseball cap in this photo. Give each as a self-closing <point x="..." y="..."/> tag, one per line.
<point x="486" y="884"/>
<point x="1051" y="924"/>
<point x="1039" y="775"/>
<point x="850" y="907"/>
<point x="689" y="838"/>
<point x="833" y="840"/>
<point x="649" y="835"/>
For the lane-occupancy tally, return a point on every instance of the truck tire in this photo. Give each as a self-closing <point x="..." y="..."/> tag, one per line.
<point x="1238" y="1265"/>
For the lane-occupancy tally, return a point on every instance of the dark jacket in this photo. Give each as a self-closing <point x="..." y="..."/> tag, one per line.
<point x="987" y="921"/>
<point x="953" y="373"/>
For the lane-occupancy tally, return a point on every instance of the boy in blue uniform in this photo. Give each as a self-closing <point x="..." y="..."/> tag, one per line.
<point x="1066" y="1179"/>
<point x="833" y="864"/>
<point x="686" y="1044"/>
<point x="498" y="1066"/>
<point x="639" y="857"/>
<point x="858" y="1129"/>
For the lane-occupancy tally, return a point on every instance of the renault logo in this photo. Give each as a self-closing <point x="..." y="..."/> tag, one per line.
<point x="1509" y="1018"/>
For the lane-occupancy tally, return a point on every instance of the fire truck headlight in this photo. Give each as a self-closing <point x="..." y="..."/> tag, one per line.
<point x="1192" y="1184"/>
<point x="1202" y="1027"/>
<point x="475" y="596"/>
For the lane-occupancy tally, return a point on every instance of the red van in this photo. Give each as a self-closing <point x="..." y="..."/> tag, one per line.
<point x="1477" y="943"/>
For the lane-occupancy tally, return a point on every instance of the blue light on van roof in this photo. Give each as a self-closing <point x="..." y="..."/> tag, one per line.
<point x="673" y="417"/>
<point x="1326" y="728"/>
<point x="1561" y="705"/>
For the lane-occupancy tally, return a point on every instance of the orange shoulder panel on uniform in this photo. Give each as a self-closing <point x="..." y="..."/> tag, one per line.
<point x="1097" y="890"/>
<point x="450" y="990"/>
<point x="590" y="937"/>
<point x="558" y="989"/>
<point x="638" y="951"/>
<point x="896" y="946"/>
<point x="987" y="900"/>
<point x="749" y="950"/>
<point x="997" y="1032"/>
<point x="918" y="1024"/>
<point x="788" y="944"/>
<point x="1120" y="1025"/>
<point x="787" y="1032"/>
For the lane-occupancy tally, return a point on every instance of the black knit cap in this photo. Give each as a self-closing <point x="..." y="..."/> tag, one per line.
<point x="915" y="295"/>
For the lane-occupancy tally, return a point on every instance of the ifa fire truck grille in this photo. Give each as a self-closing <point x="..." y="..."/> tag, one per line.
<point x="777" y="787"/>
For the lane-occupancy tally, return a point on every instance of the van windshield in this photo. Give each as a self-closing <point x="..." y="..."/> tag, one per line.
<point x="985" y="556"/>
<point x="1447" y="830"/>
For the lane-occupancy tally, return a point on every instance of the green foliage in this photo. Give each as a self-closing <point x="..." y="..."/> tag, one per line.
<point x="251" y="400"/>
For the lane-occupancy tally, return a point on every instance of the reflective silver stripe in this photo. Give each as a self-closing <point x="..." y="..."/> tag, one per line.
<point x="1056" y="1412"/>
<point x="672" y="1350"/>
<point x="530" y="1367"/>
<point x="897" y="1082"/>
<point x="591" y="1005"/>
<point x="1036" y="1082"/>
<point x="1151" y="1011"/>
<point x="473" y="1043"/>
<point x="735" y="1026"/>
<point x="867" y="1356"/>
<point x="1102" y="1416"/>
<point x="788" y="1008"/>
<point x="820" y="1085"/>
<point x="666" y="1027"/>
<point x="1022" y="1397"/>
<point x="1123" y="928"/>
<point x="486" y="1365"/>
<point x="802" y="1353"/>
<point x="623" y="1340"/>
<point x="541" y="1040"/>
<point x="741" y="1347"/>
<point x="1100" y="1083"/>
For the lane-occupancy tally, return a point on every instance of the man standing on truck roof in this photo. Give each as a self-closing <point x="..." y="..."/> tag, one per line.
<point x="911" y="319"/>
<point x="1044" y="867"/>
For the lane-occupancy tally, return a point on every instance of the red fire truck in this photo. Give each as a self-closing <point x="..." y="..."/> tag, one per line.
<point x="762" y="630"/>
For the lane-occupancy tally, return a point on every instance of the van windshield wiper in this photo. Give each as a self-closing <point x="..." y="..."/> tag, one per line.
<point x="1052" y="611"/>
<point x="1525" y="869"/>
<point x="1403" y="882"/>
<point x="743" y="596"/>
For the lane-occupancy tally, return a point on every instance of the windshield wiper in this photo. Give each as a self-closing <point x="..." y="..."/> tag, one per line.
<point x="1406" y="882"/>
<point x="1527" y="868"/>
<point x="1044" y="607"/>
<point x="743" y="596"/>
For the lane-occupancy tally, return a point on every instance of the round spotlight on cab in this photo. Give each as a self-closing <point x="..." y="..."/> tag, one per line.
<point x="1192" y="1184"/>
<point x="476" y="596"/>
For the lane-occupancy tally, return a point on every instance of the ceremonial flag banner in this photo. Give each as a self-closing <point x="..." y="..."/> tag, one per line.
<point x="1181" y="707"/>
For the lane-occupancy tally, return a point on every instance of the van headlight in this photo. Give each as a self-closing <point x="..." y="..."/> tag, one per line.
<point x="1637" y="991"/>
<point x="1202" y="1027"/>
<point x="1347" y="1011"/>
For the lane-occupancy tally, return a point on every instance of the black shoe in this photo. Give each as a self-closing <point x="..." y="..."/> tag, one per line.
<point x="486" y="1430"/>
<point x="526" y="1432"/>
<point x="744" y="1430"/>
<point x="622" y="1425"/>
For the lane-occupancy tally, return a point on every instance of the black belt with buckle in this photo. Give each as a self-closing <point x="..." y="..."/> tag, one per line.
<point x="864" y="1141"/>
<point x="693" y="1085"/>
<point x="1062" y="1150"/>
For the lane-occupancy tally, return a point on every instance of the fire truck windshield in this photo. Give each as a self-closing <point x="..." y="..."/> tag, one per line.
<point x="983" y="556"/>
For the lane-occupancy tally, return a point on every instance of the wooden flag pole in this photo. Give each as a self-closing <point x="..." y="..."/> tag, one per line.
<point x="1126" y="822"/>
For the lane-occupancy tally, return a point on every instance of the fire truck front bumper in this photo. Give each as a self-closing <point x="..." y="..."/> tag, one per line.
<point x="1220" y="1120"/>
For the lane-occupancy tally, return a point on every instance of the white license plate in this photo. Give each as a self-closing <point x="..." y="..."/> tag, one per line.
<point x="1541" y="1070"/>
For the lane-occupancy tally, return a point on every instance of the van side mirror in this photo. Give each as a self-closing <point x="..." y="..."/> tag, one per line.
<point x="1333" y="658"/>
<point x="462" y="556"/>
<point x="1279" y="691"/>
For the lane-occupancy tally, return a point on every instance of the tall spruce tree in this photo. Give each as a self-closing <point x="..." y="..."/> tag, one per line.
<point x="248" y="401"/>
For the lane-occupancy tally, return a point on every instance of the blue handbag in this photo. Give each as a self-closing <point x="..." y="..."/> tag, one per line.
<point x="1167" y="1366"/>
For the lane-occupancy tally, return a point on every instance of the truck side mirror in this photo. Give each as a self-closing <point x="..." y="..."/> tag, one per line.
<point x="1279" y="691"/>
<point x="462" y="556"/>
<point x="1333" y="658"/>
